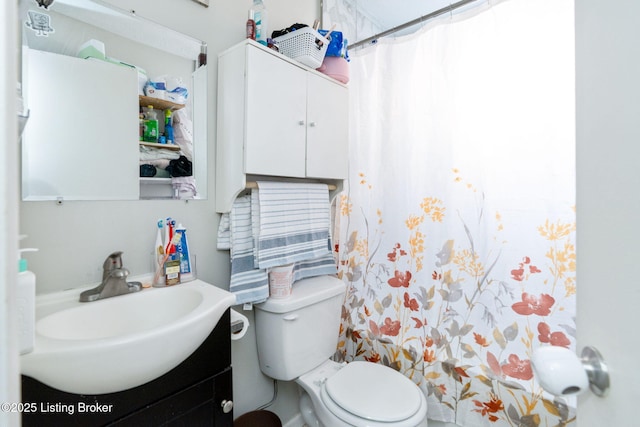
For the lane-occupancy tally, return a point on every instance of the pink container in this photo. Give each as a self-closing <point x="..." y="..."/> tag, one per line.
<point x="336" y="68"/>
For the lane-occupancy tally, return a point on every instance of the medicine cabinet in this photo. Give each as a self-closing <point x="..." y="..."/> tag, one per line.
<point x="277" y="119"/>
<point x="81" y="141"/>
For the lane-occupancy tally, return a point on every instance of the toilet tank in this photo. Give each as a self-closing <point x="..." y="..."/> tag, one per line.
<point x="300" y="332"/>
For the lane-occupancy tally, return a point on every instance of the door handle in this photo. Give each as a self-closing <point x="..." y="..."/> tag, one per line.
<point x="597" y="371"/>
<point x="226" y="405"/>
<point x="291" y="317"/>
<point x="560" y="372"/>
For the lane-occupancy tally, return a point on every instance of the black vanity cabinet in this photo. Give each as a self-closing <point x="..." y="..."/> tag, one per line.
<point x="198" y="392"/>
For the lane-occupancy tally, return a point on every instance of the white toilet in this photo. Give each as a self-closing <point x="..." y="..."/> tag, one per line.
<point x="297" y="335"/>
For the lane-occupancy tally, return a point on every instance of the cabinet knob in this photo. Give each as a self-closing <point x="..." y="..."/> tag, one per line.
<point x="301" y="122"/>
<point x="227" y="406"/>
<point x="312" y="124"/>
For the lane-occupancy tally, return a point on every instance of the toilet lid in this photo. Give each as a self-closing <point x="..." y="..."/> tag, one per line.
<point x="374" y="392"/>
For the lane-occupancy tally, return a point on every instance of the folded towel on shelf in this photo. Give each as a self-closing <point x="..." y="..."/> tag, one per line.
<point x="250" y="285"/>
<point x="159" y="163"/>
<point x="294" y="222"/>
<point x="149" y="153"/>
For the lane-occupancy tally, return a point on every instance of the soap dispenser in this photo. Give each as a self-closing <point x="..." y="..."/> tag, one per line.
<point x="26" y="304"/>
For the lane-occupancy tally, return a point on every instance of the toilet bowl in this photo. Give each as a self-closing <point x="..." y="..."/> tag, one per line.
<point x="360" y="394"/>
<point x="297" y="335"/>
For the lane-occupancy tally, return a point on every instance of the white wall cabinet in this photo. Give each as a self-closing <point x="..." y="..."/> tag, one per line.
<point x="276" y="118"/>
<point x="80" y="142"/>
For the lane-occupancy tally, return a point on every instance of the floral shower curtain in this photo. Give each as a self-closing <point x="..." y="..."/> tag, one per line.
<point x="457" y="225"/>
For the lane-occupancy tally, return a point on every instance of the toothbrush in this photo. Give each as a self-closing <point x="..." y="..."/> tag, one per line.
<point x="167" y="231"/>
<point x="159" y="249"/>
<point x="173" y="230"/>
<point x="174" y="241"/>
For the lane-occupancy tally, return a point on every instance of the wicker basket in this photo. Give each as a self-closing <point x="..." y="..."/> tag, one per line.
<point x="305" y="45"/>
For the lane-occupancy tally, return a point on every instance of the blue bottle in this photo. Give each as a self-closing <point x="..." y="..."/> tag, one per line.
<point x="260" y="19"/>
<point x="168" y="127"/>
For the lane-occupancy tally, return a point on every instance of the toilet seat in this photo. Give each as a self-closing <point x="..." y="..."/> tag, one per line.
<point x="369" y="394"/>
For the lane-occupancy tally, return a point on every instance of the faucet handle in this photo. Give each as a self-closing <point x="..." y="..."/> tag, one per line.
<point x="119" y="273"/>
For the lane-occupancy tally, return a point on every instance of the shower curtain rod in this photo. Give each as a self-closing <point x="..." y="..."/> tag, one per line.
<point x="434" y="14"/>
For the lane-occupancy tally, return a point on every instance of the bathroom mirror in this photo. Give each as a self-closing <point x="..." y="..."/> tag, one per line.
<point x="82" y="139"/>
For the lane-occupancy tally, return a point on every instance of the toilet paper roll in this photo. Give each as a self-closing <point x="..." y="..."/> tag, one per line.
<point x="239" y="325"/>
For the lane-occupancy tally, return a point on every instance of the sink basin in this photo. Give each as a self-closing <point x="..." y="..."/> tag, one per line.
<point x="121" y="342"/>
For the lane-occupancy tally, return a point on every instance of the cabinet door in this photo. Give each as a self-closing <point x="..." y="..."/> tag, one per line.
<point x="275" y="116"/>
<point x="96" y="158"/>
<point x="327" y="128"/>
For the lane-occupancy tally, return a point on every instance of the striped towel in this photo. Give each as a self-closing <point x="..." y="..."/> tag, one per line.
<point x="249" y="284"/>
<point x="255" y="224"/>
<point x="294" y="223"/>
<point x="322" y="266"/>
<point x="224" y="232"/>
<point x="302" y="269"/>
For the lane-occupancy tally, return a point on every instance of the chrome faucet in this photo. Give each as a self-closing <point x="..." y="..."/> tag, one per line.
<point x="114" y="281"/>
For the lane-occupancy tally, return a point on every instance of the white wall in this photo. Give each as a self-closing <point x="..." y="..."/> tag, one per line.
<point x="75" y="238"/>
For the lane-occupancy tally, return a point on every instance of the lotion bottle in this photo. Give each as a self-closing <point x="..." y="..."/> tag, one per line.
<point x="26" y="304"/>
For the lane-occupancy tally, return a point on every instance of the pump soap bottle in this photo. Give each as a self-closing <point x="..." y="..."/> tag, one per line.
<point x="26" y="304"/>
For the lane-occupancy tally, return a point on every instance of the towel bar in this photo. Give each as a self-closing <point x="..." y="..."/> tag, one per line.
<point x="253" y="184"/>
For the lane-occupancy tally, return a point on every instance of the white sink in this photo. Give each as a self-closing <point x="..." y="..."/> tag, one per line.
<point x="121" y="342"/>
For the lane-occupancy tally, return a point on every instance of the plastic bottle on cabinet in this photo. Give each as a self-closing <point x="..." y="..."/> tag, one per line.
<point x="26" y="305"/>
<point x="251" y="26"/>
<point x="202" y="58"/>
<point x="168" y="126"/>
<point x="151" y="125"/>
<point x="141" y="122"/>
<point x="260" y="19"/>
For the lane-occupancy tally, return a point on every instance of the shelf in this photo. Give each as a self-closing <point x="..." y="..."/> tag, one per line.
<point x="154" y="181"/>
<point x="173" y="147"/>
<point x="159" y="104"/>
<point x="156" y="188"/>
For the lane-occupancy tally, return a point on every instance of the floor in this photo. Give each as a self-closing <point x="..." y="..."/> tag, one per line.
<point x="297" y="421"/>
